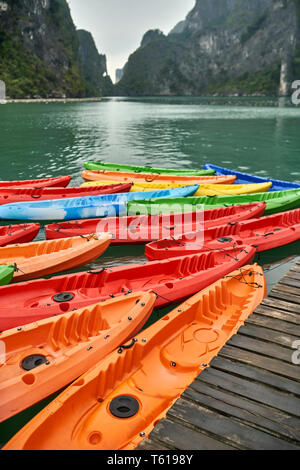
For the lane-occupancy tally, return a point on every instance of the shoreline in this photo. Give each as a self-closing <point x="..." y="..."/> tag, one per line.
<point x="53" y="100"/>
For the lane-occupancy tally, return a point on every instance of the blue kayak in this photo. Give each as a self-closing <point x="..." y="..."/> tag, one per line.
<point x="108" y="205"/>
<point x="245" y="178"/>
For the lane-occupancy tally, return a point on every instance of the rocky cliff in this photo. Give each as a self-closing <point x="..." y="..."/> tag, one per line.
<point x="42" y="54"/>
<point x="222" y="47"/>
<point x="93" y="65"/>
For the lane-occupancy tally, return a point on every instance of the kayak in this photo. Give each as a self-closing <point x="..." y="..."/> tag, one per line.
<point x="117" y="403"/>
<point x="84" y="207"/>
<point x="60" y="181"/>
<point x="242" y="178"/>
<point x="6" y="274"/>
<point x="263" y="234"/>
<point x="102" y="166"/>
<point x="48" y="355"/>
<point x="276" y="201"/>
<point x="12" y="195"/>
<point x="211" y="189"/>
<point x="204" y="189"/>
<point x="144" y="228"/>
<point x="150" y="178"/>
<point x="10" y="234"/>
<point x="172" y="280"/>
<point x="33" y="260"/>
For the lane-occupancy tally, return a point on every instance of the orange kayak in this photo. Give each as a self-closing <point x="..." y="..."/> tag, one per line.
<point x="33" y="260"/>
<point x="43" y="357"/>
<point x="150" y="178"/>
<point x="118" y="402"/>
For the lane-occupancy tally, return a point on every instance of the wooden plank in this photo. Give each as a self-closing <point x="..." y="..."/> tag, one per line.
<point x="231" y="431"/>
<point x="249" y="412"/>
<point x="290" y="371"/>
<point x="294" y="293"/>
<point x="293" y="274"/>
<point x="148" y="444"/>
<point x="280" y="295"/>
<point x="270" y="335"/>
<point x="263" y="311"/>
<point x="258" y="392"/>
<point x="295" y="269"/>
<point x="288" y="281"/>
<point x="177" y="436"/>
<point x="255" y="374"/>
<point x="262" y="347"/>
<point x="281" y="304"/>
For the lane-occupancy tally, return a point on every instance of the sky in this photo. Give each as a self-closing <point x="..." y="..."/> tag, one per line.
<point x="119" y="25"/>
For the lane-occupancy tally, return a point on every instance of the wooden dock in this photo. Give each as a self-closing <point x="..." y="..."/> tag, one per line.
<point x="250" y="396"/>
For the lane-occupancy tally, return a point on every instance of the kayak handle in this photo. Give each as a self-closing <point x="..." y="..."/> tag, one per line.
<point x="128" y="346"/>
<point x="97" y="272"/>
<point x="38" y="196"/>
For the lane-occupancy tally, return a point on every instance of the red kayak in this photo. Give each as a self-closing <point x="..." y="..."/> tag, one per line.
<point x="172" y="280"/>
<point x="11" y="195"/>
<point x="263" y="234"/>
<point x="11" y="234"/>
<point x="143" y="228"/>
<point x="60" y="182"/>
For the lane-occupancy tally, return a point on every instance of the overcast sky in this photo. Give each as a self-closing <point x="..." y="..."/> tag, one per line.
<point x="119" y="25"/>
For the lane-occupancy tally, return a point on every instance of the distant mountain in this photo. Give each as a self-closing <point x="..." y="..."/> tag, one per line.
<point x="93" y="66"/>
<point x="42" y="54"/>
<point x="119" y="74"/>
<point x="223" y="47"/>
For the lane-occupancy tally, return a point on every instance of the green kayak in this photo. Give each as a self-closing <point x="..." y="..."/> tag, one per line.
<point x="6" y="274"/>
<point x="277" y="201"/>
<point x="102" y="166"/>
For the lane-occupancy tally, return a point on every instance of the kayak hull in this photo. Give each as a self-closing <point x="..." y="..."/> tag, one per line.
<point x="148" y="178"/>
<point x="65" y="348"/>
<point x="276" y="201"/>
<point x="204" y="189"/>
<point x="148" y="377"/>
<point x="172" y="280"/>
<point x="60" y="182"/>
<point x="6" y="275"/>
<point x="14" y="195"/>
<point x="109" y="205"/>
<point x="144" y="229"/>
<point x="33" y="260"/>
<point x="263" y="234"/>
<point x="11" y="234"/>
<point x="103" y="166"/>
<point x="212" y="189"/>
<point x="242" y="178"/>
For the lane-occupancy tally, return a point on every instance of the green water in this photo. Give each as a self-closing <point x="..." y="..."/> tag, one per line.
<point x="256" y="135"/>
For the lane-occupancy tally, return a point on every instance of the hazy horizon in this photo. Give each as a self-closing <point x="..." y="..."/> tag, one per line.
<point x="119" y="25"/>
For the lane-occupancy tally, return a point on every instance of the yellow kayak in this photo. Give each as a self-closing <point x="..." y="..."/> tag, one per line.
<point x="204" y="189"/>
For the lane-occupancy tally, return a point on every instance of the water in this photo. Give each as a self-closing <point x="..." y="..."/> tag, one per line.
<point x="260" y="136"/>
<point x="255" y="135"/>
